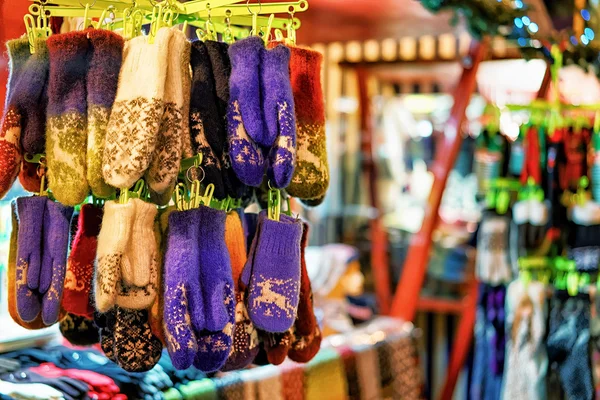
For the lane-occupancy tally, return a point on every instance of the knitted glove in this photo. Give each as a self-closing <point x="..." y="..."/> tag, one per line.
<point x="139" y="267"/>
<point x="165" y="162"/>
<point x="205" y="123"/>
<point x="183" y="309"/>
<point x="80" y="266"/>
<point x="244" y="113"/>
<point x="10" y="130"/>
<point x="113" y="241"/>
<point x="132" y="132"/>
<point x="30" y="213"/>
<point x="66" y="130"/>
<point x="275" y="275"/>
<point x="102" y="79"/>
<point x="57" y="225"/>
<point x="279" y="114"/>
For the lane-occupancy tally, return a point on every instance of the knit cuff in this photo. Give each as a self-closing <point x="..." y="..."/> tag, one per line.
<point x="116" y="226"/>
<point x="56" y="211"/>
<point x="105" y="64"/>
<point x="305" y="67"/>
<point x="280" y="237"/>
<point x="30" y="213"/>
<point x="145" y="213"/>
<point x="90" y="220"/>
<point x="18" y="52"/>
<point x="212" y="223"/>
<point x="246" y="52"/>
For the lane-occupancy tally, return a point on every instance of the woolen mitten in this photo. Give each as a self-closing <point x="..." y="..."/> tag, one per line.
<point x="30" y="213"/>
<point x="137" y="114"/>
<point x="184" y="308"/>
<point x="136" y="348"/>
<point x="244" y="112"/>
<point x="206" y="125"/>
<point x="57" y="232"/>
<point x="106" y="325"/>
<point x="12" y="272"/>
<point x="306" y="322"/>
<point x="106" y="56"/>
<point x="214" y="344"/>
<point x="10" y="131"/>
<point x="140" y="264"/>
<point x="66" y="125"/>
<point x="157" y="310"/>
<point x="493" y="263"/>
<point x="29" y="177"/>
<point x="245" y="336"/>
<point x="165" y="162"/>
<point x="277" y="345"/>
<point x="113" y="241"/>
<point x="221" y="69"/>
<point x="32" y="99"/>
<point x="275" y="282"/>
<point x="245" y="56"/>
<point x="311" y="175"/>
<point x="80" y="265"/>
<point x="279" y="115"/>
<point x="305" y="348"/>
<point x="79" y="331"/>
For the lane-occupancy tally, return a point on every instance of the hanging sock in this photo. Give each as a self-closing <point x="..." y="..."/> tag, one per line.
<point x="183" y="308"/>
<point x="135" y="120"/>
<point x="106" y="56"/>
<point x="79" y="331"/>
<point x="113" y="242"/>
<point x="245" y="337"/>
<point x="140" y="266"/>
<point x="166" y="160"/>
<point x="206" y="126"/>
<point x="10" y="131"/>
<point x="66" y="125"/>
<point x="311" y="175"/>
<point x="275" y="275"/>
<point x="57" y="230"/>
<point x="80" y="265"/>
<point x="279" y="114"/>
<point x="244" y="115"/>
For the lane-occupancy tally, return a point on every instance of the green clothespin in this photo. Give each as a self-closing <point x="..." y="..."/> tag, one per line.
<point x="274" y="207"/>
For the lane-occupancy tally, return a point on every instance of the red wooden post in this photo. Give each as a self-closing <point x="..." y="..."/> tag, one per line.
<point x="407" y="294"/>
<point x="379" y="242"/>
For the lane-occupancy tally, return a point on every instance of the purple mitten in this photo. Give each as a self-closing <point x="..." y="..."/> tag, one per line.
<point x="279" y="115"/>
<point x="57" y="225"/>
<point x="244" y="112"/>
<point x="245" y="86"/>
<point x="274" y="288"/>
<point x="215" y="269"/>
<point x="183" y="309"/>
<point x="214" y="347"/>
<point x="30" y="212"/>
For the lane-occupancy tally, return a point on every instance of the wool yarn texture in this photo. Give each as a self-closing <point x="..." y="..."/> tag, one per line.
<point x="79" y="331"/>
<point x="66" y="125"/>
<point x="106" y="56"/>
<point x="10" y="130"/>
<point x="137" y="113"/>
<point x="136" y="348"/>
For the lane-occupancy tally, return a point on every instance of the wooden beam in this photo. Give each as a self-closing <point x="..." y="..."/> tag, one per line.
<point x="408" y="290"/>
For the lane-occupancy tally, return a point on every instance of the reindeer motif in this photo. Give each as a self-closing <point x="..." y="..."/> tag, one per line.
<point x="268" y="296"/>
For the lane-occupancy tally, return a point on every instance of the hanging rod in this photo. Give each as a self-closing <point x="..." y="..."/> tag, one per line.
<point x="261" y="9"/>
<point x="196" y="6"/>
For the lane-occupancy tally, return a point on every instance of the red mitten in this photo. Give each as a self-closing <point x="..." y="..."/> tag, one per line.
<point x="80" y="266"/>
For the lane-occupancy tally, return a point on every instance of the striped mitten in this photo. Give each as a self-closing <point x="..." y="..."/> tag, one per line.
<point x="133" y="126"/>
<point x="66" y="130"/>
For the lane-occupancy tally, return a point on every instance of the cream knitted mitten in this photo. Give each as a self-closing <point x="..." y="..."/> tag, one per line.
<point x="164" y="166"/>
<point x="134" y="123"/>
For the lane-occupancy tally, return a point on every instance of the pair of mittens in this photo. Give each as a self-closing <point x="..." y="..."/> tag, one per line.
<point x="261" y="113"/>
<point x="24" y="111"/>
<point x="127" y="257"/>
<point x="127" y="339"/>
<point x="41" y="257"/>
<point x="80" y="265"/>
<point x="199" y="309"/>
<point x="272" y="274"/>
<point x="531" y="218"/>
